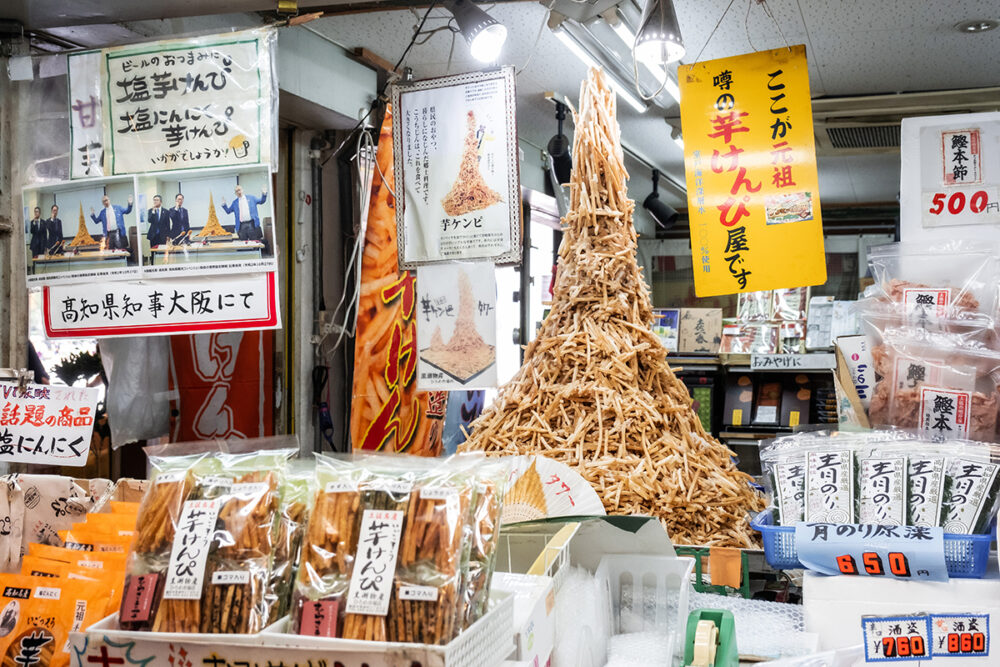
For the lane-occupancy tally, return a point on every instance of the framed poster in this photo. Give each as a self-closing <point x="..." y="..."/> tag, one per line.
<point x="456" y="165"/>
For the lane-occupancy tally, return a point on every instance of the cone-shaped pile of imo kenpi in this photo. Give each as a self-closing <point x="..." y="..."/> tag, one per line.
<point x="595" y="390"/>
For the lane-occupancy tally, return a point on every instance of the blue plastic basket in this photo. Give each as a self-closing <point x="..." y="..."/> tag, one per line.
<point x="965" y="555"/>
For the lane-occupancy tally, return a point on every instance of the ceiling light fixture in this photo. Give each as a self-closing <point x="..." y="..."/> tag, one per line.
<point x="977" y="25"/>
<point x="570" y="42"/>
<point x="663" y="213"/>
<point x="658" y="39"/>
<point x="657" y="70"/>
<point x="484" y="34"/>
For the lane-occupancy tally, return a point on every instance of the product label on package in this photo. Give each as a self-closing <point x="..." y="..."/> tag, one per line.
<point x="340" y="487"/>
<point x="960" y="635"/>
<point x="896" y="638"/>
<point x="858" y="357"/>
<point x="47" y="593"/>
<point x="924" y="304"/>
<point x="926" y="490"/>
<point x="375" y="564"/>
<point x="945" y="413"/>
<point x="883" y="491"/>
<point x="900" y="552"/>
<point x="421" y="593"/>
<point x="967" y="495"/>
<point x="319" y="618"/>
<point x="790" y="485"/>
<point x="138" y="599"/>
<point x="192" y="540"/>
<point x="170" y="477"/>
<point x="230" y="577"/>
<point x="438" y="492"/>
<point x="830" y="486"/>
<point x="249" y="490"/>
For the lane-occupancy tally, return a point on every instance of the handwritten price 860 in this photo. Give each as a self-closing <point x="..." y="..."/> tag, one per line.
<point x="903" y="647"/>
<point x="872" y="562"/>
<point x="966" y="642"/>
<point x="956" y="202"/>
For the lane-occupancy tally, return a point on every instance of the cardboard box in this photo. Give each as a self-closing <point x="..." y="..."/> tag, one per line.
<point x="739" y="401"/>
<point x="700" y="331"/>
<point x="534" y="622"/>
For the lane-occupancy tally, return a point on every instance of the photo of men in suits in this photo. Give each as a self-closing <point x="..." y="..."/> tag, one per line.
<point x="244" y="211"/>
<point x="36" y="228"/>
<point x="159" y="223"/>
<point x="116" y="238"/>
<point x="180" y="224"/>
<point x="54" y="232"/>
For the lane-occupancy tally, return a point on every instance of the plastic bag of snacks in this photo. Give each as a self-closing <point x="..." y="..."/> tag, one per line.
<point x="790" y="305"/>
<point x="296" y="500"/>
<point x="11" y="523"/>
<point x="754" y="306"/>
<point x="484" y="534"/>
<point x="953" y="279"/>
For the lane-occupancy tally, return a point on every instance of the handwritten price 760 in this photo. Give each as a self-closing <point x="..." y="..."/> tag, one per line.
<point x="903" y="647"/>
<point x="956" y="202"/>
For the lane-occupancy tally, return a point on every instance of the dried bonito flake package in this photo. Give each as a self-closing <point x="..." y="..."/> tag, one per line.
<point x="954" y="279"/>
<point x="206" y="542"/>
<point x="420" y="520"/>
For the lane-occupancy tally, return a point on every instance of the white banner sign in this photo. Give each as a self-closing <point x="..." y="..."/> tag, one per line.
<point x="86" y="115"/>
<point x="189" y="103"/>
<point x="46" y="424"/>
<point x="456" y="318"/>
<point x="455" y="149"/>
<point x="162" y="306"/>
<point x="950" y="176"/>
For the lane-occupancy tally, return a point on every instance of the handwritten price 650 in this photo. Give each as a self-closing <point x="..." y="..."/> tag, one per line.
<point x="956" y="202"/>
<point x="872" y="562"/>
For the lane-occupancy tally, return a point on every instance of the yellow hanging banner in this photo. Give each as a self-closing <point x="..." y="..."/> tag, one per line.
<point x="750" y="161"/>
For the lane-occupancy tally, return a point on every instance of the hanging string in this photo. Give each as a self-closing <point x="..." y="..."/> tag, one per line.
<point x="714" y="30"/>
<point x="767" y="10"/>
<point x="746" y="26"/>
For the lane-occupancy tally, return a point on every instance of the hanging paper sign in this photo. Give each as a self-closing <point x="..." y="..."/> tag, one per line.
<point x="86" y="115"/>
<point x="912" y="553"/>
<point x="46" y="424"/>
<point x="163" y="306"/>
<point x="189" y="103"/>
<point x="950" y="174"/>
<point x="455" y="145"/>
<point x="896" y="638"/>
<point x="457" y="319"/>
<point x="750" y="160"/>
<point x="401" y="419"/>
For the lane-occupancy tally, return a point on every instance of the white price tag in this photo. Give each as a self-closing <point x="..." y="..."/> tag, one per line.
<point x="192" y="540"/>
<point x="421" y="593"/>
<point x="375" y="563"/>
<point x="960" y="635"/>
<point x="340" y="487"/>
<point x="438" y="492"/>
<point x="222" y="578"/>
<point x="896" y="638"/>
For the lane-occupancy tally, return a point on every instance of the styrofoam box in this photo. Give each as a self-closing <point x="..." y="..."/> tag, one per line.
<point x="834" y="605"/>
<point x="485" y="644"/>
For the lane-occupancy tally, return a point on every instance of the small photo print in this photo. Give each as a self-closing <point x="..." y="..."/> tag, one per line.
<point x="789" y="207"/>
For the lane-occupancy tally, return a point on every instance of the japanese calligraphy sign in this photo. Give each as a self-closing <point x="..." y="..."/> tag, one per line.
<point x="86" y="115"/>
<point x="456" y="316"/>
<point x="455" y="147"/>
<point x="46" y="424"/>
<point x="402" y="419"/>
<point x="896" y="638"/>
<point x="190" y="550"/>
<point x="750" y="160"/>
<point x="950" y="176"/>
<point x="960" y="635"/>
<point x="189" y="103"/>
<point x="375" y="564"/>
<point x="913" y="553"/>
<point x="162" y="306"/>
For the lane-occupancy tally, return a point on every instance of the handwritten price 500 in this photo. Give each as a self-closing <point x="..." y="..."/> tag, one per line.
<point x="956" y="202"/>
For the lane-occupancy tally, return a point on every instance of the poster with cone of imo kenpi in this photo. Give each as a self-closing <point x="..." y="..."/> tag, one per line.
<point x="595" y="390"/>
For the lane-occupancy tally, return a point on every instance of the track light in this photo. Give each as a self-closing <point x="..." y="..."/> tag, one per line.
<point x="559" y="148"/>
<point x="484" y="34"/>
<point x="659" y="37"/>
<point x="662" y="212"/>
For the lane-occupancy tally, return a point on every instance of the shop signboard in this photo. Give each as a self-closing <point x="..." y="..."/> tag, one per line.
<point x="174" y="104"/>
<point x="456" y="155"/>
<point x="388" y="412"/>
<point x="750" y="161"/>
<point x="950" y="177"/>
<point x="456" y="316"/>
<point x="162" y="306"/>
<point x="46" y="424"/>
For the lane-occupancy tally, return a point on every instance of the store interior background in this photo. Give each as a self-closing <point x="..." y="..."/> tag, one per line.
<point x="871" y="63"/>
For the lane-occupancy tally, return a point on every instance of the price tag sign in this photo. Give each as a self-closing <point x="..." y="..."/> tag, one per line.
<point x="960" y="635"/>
<point x="913" y="553"/>
<point x="896" y="638"/>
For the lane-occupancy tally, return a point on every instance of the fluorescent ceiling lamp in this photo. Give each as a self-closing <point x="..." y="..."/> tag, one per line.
<point x="589" y="60"/>
<point x="484" y="34"/>
<point x="659" y="37"/>
<point x="654" y="68"/>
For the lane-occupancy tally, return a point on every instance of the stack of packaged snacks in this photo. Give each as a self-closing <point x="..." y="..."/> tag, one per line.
<point x="768" y="322"/>
<point x="205" y="544"/>
<point x="296" y="497"/>
<point x="888" y="478"/>
<point x="398" y="549"/>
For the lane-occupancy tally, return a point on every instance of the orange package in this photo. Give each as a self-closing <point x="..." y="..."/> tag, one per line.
<point x="122" y="507"/>
<point x="83" y="539"/>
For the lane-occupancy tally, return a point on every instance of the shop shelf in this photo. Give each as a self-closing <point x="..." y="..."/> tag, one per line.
<point x="965" y="555"/>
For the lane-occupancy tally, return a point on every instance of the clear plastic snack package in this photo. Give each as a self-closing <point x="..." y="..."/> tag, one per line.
<point x="484" y="535"/>
<point x="955" y="279"/>
<point x="755" y="306"/>
<point x="791" y="304"/>
<point x="296" y="503"/>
